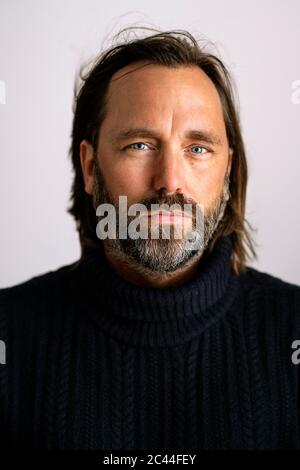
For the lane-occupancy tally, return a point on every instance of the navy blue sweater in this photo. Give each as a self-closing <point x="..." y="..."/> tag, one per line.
<point x="96" y="362"/>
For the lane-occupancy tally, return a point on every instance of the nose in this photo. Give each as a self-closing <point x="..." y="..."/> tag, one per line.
<point x="167" y="174"/>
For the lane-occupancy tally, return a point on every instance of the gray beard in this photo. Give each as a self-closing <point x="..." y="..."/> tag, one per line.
<point x="161" y="255"/>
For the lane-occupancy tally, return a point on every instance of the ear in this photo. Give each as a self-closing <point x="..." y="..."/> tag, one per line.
<point x="87" y="165"/>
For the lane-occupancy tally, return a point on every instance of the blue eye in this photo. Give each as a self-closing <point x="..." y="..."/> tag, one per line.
<point x="136" y="143"/>
<point x="202" y="148"/>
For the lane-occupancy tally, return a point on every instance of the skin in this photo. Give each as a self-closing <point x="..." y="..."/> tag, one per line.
<point x="171" y="102"/>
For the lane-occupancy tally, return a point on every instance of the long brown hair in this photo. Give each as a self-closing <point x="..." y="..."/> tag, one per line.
<point x="171" y="49"/>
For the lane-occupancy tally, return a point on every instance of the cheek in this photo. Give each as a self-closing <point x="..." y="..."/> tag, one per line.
<point x="124" y="178"/>
<point x="207" y="185"/>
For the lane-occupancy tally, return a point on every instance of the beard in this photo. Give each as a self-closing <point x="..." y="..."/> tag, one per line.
<point x="161" y="255"/>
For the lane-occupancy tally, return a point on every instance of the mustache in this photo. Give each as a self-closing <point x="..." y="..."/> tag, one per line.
<point x="163" y="198"/>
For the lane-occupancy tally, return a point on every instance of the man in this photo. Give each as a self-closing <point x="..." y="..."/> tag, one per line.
<point x="154" y="342"/>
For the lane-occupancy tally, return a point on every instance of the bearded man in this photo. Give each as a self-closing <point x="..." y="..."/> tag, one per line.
<point x="149" y="342"/>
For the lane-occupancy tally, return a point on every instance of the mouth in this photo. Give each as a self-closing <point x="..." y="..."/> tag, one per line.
<point x="166" y="216"/>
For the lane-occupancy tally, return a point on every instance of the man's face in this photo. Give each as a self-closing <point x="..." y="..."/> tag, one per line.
<point x="180" y="154"/>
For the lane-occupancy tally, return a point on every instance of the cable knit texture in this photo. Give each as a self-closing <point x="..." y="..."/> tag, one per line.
<point x="96" y="362"/>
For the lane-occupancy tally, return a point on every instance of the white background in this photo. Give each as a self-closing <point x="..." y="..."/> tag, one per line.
<point x="42" y="44"/>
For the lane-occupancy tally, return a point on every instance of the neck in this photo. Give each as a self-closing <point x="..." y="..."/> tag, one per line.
<point x="133" y="272"/>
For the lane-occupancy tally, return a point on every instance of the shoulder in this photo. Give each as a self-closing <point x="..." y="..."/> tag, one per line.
<point x="36" y="291"/>
<point x="270" y="296"/>
<point x="254" y="279"/>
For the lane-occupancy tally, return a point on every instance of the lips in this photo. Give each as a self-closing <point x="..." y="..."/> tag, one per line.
<point x="167" y="214"/>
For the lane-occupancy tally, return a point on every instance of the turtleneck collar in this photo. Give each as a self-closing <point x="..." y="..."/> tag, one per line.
<point x="151" y="316"/>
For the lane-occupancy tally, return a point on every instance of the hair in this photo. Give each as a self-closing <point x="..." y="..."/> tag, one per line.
<point x="173" y="49"/>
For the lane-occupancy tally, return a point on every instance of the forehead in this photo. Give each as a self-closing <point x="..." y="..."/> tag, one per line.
<point x="153" y="91"/>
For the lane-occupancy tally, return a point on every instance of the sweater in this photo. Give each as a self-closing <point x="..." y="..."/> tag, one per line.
<point x="96" y="362"/>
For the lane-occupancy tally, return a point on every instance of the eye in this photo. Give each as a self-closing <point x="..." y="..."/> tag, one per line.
<point x="136" y="143"/>
<point x="202" y="151"/>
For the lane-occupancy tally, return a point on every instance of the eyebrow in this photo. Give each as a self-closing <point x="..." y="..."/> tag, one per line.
<point x="205" y="136"/>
